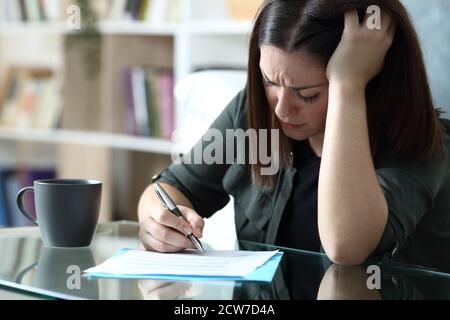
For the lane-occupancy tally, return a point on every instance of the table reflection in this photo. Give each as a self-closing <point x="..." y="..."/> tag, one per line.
<point x="311" y="276"/>
<point x="164" y="290"/>
<point x="26" y="264"/>
<point x="60" y="270"/>
<point x="346" y="283"/>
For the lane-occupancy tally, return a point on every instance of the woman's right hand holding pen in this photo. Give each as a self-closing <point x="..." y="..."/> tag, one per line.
<point x="160" y="230"/>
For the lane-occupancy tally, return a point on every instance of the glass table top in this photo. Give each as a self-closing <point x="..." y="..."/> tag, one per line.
<point x="26" y="266"/>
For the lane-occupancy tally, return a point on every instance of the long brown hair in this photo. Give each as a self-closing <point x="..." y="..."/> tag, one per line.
<point x="400" y="112"/>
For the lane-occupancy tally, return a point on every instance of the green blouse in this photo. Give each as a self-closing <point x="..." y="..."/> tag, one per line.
<point x="418" y="197"/>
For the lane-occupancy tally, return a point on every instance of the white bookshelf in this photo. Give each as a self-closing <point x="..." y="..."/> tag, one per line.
<point x="137" y="28"/>
<point x="238" y="28"/>
<point x="133" y="28"/>
<point x="188" y="37"/>
<point x="123" y="161"/>
<point x="113" y="141"/>
<point x="106" y="27"/>
<point x="32" y="28"/>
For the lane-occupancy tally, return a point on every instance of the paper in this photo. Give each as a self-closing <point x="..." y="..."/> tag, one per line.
<point x="190" y="265"/>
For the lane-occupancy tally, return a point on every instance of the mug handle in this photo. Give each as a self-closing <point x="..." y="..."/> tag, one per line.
<point x="22" y="273"/>
<point x="22" y="208"/>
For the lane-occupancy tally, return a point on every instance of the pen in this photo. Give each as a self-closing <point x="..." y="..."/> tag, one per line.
<point x="167" y="202"/>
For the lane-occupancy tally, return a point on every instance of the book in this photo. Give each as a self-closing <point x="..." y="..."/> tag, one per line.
<point x="40" y="10"/>
<point x="26" y="104"/>
<point x="152" y="11"/>
<point x="49" y="106"/>
<point x="117" y="11"/>
<point x="42" y="13"/>
<point x="12" y="188"/>
<point x="27" y="177"/>
<point x="10" y="11"/>
<point x="140" y="101"/>
<point x="148" y="101"/>
<point x="12" y="180"/>
<point x="23" y="10"/>
<point x="53" y="9"/>
<point x="153" y="105"/>
<point x="157" y="11"/>
<point x="174" y="14"/>
<point x="166" y="103"/>
<point x="31" y="99"/>
<point x="132" y="9"/>
<point x="4" y="213"/>
<point x="143" y="9"/>
<point x="127" y="90"/>
<point x="32" y="8"/>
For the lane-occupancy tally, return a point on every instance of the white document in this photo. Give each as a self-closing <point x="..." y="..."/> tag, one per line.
<point x="188" y="263"/>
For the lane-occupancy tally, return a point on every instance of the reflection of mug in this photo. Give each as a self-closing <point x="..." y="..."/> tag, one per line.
<point x="60" y="271"/>
<point x="67" y="211"/>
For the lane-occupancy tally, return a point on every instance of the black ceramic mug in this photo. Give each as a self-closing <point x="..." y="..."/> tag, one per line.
<point x="67" y="211"/>
<point x="59" y="271"/>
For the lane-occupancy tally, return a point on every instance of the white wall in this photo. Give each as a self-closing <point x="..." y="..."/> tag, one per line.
<point x="432" y="20"/>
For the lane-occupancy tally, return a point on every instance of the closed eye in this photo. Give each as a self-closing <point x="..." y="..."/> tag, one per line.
<point x="266" y="81"/>
<point x="310" y="99"/>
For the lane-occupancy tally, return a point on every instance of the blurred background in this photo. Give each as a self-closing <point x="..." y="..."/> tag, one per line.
<point x="140" y="79"/>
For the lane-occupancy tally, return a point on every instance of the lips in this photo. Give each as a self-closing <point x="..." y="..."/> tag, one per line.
<point x="291" y="125"/>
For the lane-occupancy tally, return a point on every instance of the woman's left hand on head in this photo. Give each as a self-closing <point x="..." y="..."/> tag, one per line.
<point x="361" y="52"/>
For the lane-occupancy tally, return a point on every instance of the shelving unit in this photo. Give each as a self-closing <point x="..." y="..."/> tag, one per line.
<point x="134" y="28"/>
<point x="31" y="28"/>
<point x="93" y="139"/>
<point x="91" y="142"/>
<point x="137" y="28"/>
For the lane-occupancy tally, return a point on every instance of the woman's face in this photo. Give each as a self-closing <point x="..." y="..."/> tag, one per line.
<point x="297" y="91"/>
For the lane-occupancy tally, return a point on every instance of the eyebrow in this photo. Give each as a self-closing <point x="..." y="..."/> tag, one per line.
<point x="293" y="88"/>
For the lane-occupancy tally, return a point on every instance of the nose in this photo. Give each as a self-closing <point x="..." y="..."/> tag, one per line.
<point x="285" y="108"/>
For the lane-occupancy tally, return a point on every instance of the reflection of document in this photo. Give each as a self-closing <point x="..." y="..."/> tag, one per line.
<point x="188" y="263"/>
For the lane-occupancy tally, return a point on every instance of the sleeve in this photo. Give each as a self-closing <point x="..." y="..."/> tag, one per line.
<point x="409" y="189"/>
<point x="202" y="183"/>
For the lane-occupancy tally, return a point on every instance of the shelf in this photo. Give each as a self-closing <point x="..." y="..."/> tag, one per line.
<point x="113" y="141"/>
<point x="132" y="28"/>
<point x="137" y="28"/>
<point x="33" y="28"/>
<point x="59" y="28"/>
<point x="220" y="28"/>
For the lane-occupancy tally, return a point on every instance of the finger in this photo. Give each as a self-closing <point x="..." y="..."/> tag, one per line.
<point x="145" y="239"/>
<point x="157" y="286"/>
<point x="351" y="20"/>
<point x="170" y="291"/>
<point x="147" y="286"/>
<point x="154" y="244"/>
<point x="165" y="217"/>
<point x="195" y="221"/>
<point x="168" y="235"/>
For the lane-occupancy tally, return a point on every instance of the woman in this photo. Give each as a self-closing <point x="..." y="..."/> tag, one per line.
<point x="362" y="151"/>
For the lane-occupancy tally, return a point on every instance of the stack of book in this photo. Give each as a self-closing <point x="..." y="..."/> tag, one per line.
<point x="149" y="102"/>
<point x="30" y="98"/>
<point x="153" y="11"/>
<point x="11" y="181"/>
<point x="32" y="10"/>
